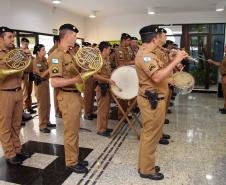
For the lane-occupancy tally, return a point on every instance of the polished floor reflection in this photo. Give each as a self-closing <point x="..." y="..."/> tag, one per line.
<point x="196" y="154"/>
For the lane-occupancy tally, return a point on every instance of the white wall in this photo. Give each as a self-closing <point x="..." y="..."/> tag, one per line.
<point x="36" y="16"/>
<point x="110" y="28"/>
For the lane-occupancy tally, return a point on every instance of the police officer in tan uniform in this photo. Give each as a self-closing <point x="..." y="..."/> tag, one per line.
<point x="134" y="47"/>
<point x="152" y="75"/>
<point x="41" y="73"/>
<point x="103" y="91"/>
<point x="222" y="66"/>
<point x="123" y="58"/>
<point x="11" y="98"/>
<point x="27" y="83"/>
<point x="89" y="94"/>
<point x="64" y="74"/>
<point x="58" y="114"/>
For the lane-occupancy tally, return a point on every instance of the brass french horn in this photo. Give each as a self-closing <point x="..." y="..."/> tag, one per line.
<point x="16" y="61"/>
<point x="90" y="61"/>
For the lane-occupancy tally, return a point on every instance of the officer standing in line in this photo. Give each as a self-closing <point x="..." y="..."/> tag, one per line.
<point x="11" y="98"/>
<point x="152" y="75"/>
<point x="64" y="74"/>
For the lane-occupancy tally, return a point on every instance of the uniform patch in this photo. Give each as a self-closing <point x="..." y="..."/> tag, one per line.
<point x="39" y="65"/>
<point x="55" y="70"/>
<point x="151" y="67"/>
<point x="55" y="61"/>
<point x="147" y="59"/>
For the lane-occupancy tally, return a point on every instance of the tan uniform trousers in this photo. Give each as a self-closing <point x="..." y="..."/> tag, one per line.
<point x="70" y="105"/>
<point x="224" y="94"/>
<point x="168" y="98"/>
<point x="103" y="106"/>
<point x="27" y="90"/>
<point x="10" y="122"/>
<point x="43" y="98"/>
<point x="89" y="95"/>
<point x="152" y="122"/>
<point x="56" y="106"/>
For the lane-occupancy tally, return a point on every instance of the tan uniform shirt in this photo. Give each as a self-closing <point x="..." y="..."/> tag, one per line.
<point x="122" y="56"/>
<point x="147" y="63"/>
<point x="61" y="64"/>
<point x="52" y="49"/>
<point x="106" y="69"/>
<point x="223" y="67"/>
<point x="12" y="81"/>
<point x="40" y="65"/>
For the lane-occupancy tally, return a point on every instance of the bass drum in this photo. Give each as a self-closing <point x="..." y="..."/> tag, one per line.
<point x="127" y="83"/>
<point x="183" y="82"/>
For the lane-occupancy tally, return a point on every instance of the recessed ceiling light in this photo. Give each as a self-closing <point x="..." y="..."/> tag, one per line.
<point x="219" y="7"/>
<point x="56" y="1"/>
<point x="151" y="11"/>
<point x="93" y="14"/>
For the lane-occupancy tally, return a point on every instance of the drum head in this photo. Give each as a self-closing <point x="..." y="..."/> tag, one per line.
<point x="184" y="82"/>
<point x="127" y="80"/>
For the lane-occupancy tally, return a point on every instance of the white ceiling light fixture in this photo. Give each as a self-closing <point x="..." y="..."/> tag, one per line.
<point x="219" y="7"/>
<point x="56" y="1"/>
<point x="93" y="14"/>
<point x="151" y="11"/>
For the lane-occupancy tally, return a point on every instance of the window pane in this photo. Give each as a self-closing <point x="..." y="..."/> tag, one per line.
<point x="217" y="28"/>
<point x="198" y="28"/>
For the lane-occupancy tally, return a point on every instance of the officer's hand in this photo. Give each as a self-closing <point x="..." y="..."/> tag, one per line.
<point x="78" y="79"/>
<point x="180" y="56"/>
<point x="111" y="82"/>
<point x="210" y="61"/>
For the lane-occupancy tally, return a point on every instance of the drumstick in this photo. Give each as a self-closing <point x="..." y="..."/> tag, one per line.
<point x="120" y="90"/>
<point x="182" y="68"/>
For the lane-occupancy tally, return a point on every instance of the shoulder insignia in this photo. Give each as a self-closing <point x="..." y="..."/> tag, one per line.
<point x="55" y="70"/>
<point x="147" y="59"/>
<point x="55" y="61"/>
<point x="39" y="65"/>
<point x="151" y="67"/>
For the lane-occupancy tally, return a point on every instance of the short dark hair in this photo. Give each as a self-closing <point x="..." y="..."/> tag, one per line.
<point x="3" y="30"/>
<point x="56" y="38"/>
<point x="125" y="36"/>
<point x="37" y="48"/>
<point x="148" y="33"/>
<point x="103" y="45"/>
<point x="168" y="42"/>
<point x="25" y="40"/>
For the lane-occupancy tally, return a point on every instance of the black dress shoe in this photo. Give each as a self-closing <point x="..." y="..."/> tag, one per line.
<point x="44" y="130"/>
<point x="223" y="111"/>
<point x="83" y="163"/>
<point x="155" y="176"/>
<point x="163" y="141"/>
<point x="166" y="121"/>
<point x="157" y="169"/>
<point x="105" y="133"/>
<point x="172" y="98"/>
<point x="78" y="168"/>
<point x="165" y="136"/>
<point x="58" y="115"/>
<point x="14" y="161"/>
<point x="23" y="155"/>
<point x="109" y="130"/>
<point x="88" y="117"/>
<point x="51" y="125"/>
<point x="31" y="111"/>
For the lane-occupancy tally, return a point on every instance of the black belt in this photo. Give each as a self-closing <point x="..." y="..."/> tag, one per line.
<point x="16" y="89"/>
<point x="68" y="90"/>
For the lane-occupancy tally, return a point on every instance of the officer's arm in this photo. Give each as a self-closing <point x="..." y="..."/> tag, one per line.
<point x="163" y="73"/>
<point x="101" y="78"/>
<point x="62" y="82"/>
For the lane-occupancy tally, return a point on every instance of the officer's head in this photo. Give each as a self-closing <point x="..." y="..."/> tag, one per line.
<point x="105" y="48"/>
<point x="24" y="43"/>
<point x="6" y="38"/>
<point x="150" y="34"/>
<point x="168" y="44"/>
<point x="39" y="50"/>
<point x="68" y="33"/>
<point x="134" y="41"/>
<point x="86" y="44"/>
<point x="125" y="39"/>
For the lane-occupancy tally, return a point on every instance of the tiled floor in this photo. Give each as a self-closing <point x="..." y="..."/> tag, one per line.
<point x="196" y="154"/>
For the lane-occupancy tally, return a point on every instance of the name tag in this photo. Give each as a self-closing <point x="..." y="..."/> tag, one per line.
<point x="55" y="61"/>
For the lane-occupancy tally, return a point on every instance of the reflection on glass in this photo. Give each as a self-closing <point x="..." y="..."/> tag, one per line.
<point x="217" y="28"/>
<point x="198" y="28"/>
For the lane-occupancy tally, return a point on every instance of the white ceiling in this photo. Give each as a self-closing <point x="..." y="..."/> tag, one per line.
<point x="125" y="7"/>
